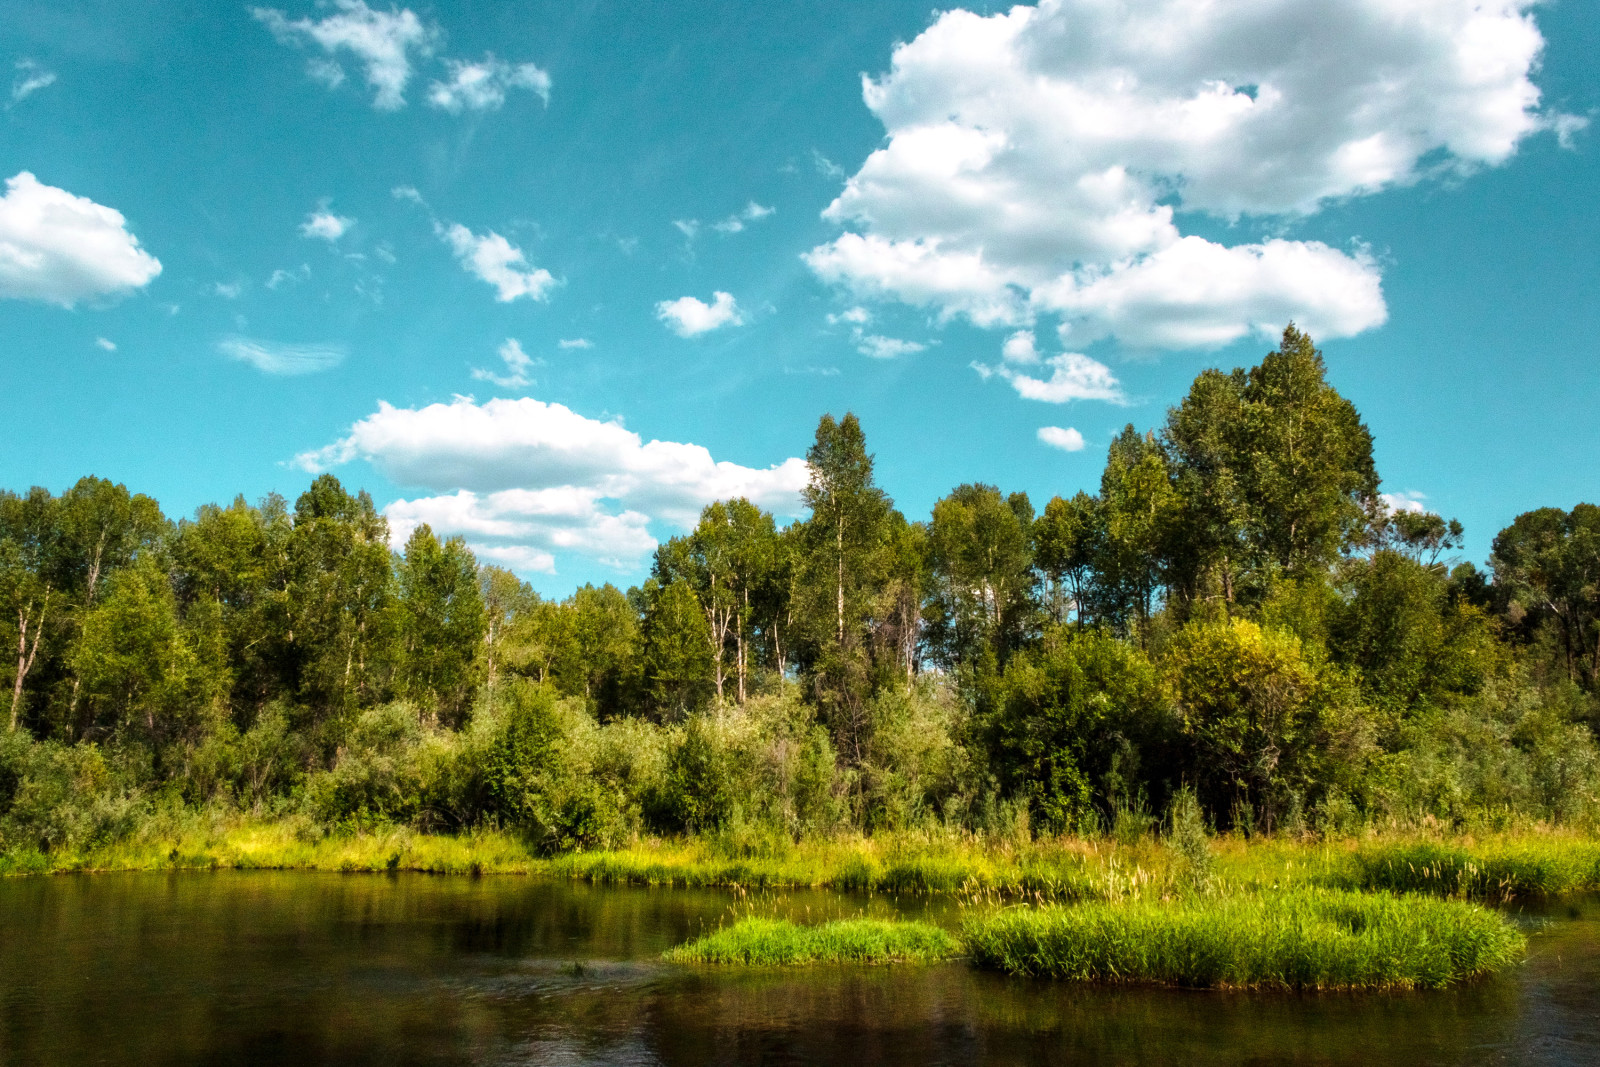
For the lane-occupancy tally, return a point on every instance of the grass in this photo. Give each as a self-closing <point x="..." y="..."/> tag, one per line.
<point x="1529" y="867"/>
<point x="1537" y="862"/>
<point x="757" y="941"/>
<point x="1294" y="939"/>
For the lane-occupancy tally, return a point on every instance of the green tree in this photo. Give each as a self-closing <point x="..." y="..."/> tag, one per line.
<point x="1065" y="540"/>
<point x="843" y="572"/>
<point x="981" y="566"/>
<point x="29" y="548"/>
<point x="1140" y="511"/>
<point x="1548" y="563"/>
<point x="443" y="621"/>
<point x="506" y="601"/>
<point x="678" y="675"/>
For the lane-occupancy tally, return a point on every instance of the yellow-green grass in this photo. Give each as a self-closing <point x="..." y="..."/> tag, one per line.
<point x="1292" y="939"/>
<point x="1497" y="870"/>
<point x="759" y="941"/>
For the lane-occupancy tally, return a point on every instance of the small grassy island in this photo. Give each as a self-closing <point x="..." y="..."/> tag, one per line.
<point x="1231" y="720"/>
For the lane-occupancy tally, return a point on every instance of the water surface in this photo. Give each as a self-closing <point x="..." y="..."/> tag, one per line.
<point x="304" y="969"/>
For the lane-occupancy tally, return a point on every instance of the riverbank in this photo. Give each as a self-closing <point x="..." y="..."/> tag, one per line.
<point x="1504" y="866"/>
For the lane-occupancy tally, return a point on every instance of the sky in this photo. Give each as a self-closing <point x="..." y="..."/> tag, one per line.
<point x="553" y="277"/>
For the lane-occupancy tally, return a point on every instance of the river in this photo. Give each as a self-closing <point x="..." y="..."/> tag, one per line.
<point x="304" y="969"/>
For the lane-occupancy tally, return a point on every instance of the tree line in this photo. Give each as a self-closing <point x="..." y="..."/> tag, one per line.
<point x="1235" y="611"/>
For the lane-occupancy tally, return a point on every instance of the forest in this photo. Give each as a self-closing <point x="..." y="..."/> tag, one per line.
<point x="1235" y="624"/>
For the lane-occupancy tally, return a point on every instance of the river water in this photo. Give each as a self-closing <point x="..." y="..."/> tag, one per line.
<point x="303" y="969"/>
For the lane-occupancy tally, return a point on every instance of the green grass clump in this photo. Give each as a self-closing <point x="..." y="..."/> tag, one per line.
<point x="1532" y="867"/>
<point x="1295" y="939"/>
<point x="757" y="941"/>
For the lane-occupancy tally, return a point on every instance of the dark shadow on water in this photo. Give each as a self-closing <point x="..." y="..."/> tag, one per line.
<point x="303" y="969"/>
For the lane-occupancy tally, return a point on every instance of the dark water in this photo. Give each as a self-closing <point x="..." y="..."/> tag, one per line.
<point x="304" y="969"/>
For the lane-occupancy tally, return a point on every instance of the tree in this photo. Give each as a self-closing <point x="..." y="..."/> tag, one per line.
<point x="1058" y="714"/>
<point x="1140" y="510"/>
<point x="1248" y="702"/>
<point x="443" y="620"/>
<point x="29" y="549"/>
<point x="677" y="651"/>
<point x="1548" y="562"/>
<point x="506" y="601"/>
<point x="1275" y="471"/>
<point x="1065" y="539"/>
<point x="842" y="576"/>
<point x="982" y="578"/>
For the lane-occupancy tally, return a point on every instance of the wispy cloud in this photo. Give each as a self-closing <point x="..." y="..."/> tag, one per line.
<point x="30" y="79"/>
<point x="735" y="223"/>
<point x="282" y="360"/>
<point x="325" y="225"/>
<point x="108" y="345"/>
<point x="381" y="41"/>
<point x="482" y="85"/>
<point x="575" y="342"/>
<point x="518" y="364"/>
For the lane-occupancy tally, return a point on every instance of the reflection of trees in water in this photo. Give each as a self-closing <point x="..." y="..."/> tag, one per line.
<point x="272" y="968"/>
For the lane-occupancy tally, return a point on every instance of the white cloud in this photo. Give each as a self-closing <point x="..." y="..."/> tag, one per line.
<point x="381" y="41"/>
<point x="408" y="192"/>
<point x="574" y="342"/>
<point x="880" y="347"/>
<point x="518" y="364"/>
<point x="1036" y="159"/>
<point x="689" y="317"/>
<point x="687" y="227"/>
<point x="30" y="79"/>
<point x="107" y="345"/>
<point x="326" y="225"/>
<point x="281" y="277"/>
<point x="1073" y="376"/>
<point x="482" y="85"/>
<point x="61" y="248"/>
<point x="1410" y="500"/>
<point x="228" y="290"/>
<point x="535" y="477"/>
<point x="825" y="166"/>
<point x="498" y="262"/>
<point x="735" y="223"/>
<point x="1068" y="440"/>
<point x="856" y="316"/>
<point x="1020" y="348"/>
<point x="282" y="360"/>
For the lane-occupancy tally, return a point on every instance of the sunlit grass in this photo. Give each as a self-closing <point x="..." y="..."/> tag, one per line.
<point x="1527" y="866"/>
<point x="1295" y="939"/>
<point x="758" y="941"/>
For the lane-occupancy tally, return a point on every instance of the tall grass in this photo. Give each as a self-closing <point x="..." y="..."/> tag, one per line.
<point x="758" y="941"/>
<point x="1294" y="939"/>
<point x="1526" y="867"/>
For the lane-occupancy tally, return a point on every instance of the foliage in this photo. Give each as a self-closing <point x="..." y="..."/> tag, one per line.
<point x="756" y="941"/>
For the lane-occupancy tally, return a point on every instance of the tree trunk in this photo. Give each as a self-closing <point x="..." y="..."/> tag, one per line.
<point x="25" y="655"/>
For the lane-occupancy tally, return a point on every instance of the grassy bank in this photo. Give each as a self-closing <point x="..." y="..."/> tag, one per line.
<point x="1296" y="939"/>
<point x="758" y="941"/>
<point x="1514" y="865"/>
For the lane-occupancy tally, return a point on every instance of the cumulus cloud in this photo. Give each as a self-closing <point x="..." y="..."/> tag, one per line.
<point x="326" y="225"/>
<point x="282" y="360"/>
<point x="534" y="477"/>
<point x="1036" y="158"/>
<point x="735" y="223"/>
<point x="30" y="79"/>
<point x="482" y="85"/>
<point x="61" y="248"/>
<point x="518" y="364"/>
<point x="1073" y="376"/>
<point x="1068" y="439"/>
<point x="689" y="317"/>
<point x="381" y="41"/>
<point x="1410" y="500"/>
<point x="498" y="262"/>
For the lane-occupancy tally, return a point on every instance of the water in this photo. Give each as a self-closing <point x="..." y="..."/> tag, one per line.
<point x="304" y="969"/>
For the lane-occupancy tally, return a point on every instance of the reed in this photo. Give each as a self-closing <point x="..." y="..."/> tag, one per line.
<point x="1293" y="939"/>
<point x="1528" y="866"/>
<point x="757" y="941"/>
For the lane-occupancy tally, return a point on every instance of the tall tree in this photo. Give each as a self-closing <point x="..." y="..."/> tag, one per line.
<point x="1548" y="562"/>
<point x="843" y="574"/>
<point x="443" y="621"/>
<point x="981" y="562"/>
<point x="1141" y="512"/>
<point x="1064" y="544"/>
<point x="30" y="546"/>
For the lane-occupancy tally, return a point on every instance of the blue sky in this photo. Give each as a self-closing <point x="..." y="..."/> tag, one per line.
<point x="468" y="255"/>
